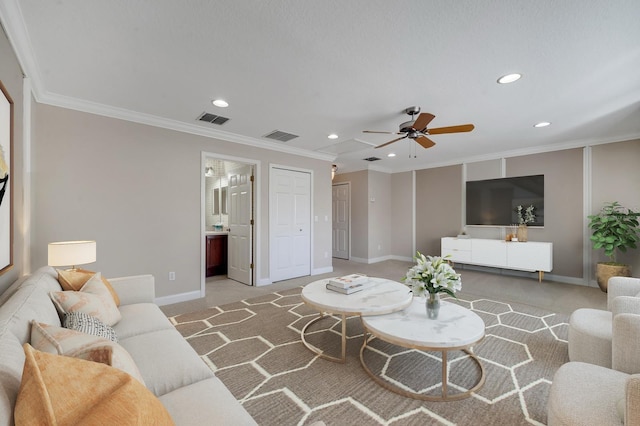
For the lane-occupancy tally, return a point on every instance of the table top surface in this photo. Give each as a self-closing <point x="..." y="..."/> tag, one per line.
<point x="455" y="327"/>
<point x="384" y="297"/>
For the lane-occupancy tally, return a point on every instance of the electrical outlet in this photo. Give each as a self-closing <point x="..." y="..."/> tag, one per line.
<point x="172" y="276"/>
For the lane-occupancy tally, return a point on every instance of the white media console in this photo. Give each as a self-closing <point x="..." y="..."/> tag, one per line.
<point x="527" y="256"/>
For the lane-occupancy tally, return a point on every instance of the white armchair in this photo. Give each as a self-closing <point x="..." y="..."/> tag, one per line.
<point x="591" y="330"/>
<point x="585" y="394"/>
<point x="601" y="383"/>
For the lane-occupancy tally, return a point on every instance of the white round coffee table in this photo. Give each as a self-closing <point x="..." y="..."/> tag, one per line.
<point x="457" y="328"/>
<point x="384" y="297"/>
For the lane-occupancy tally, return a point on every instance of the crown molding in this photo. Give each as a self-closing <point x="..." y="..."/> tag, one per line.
<point x="179" y="126"/>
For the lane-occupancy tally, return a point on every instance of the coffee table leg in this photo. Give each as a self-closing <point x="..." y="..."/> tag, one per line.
<point x="445" y="396"/>
<point x="445" y="378"/>
<point x="343" y="351"/>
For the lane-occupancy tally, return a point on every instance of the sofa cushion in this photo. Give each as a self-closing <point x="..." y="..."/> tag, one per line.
<point x="62" y="341"/>
<point x="141" y="318"/>
<point x="75" y="279"/>
<point x="166" y="360"/>
<point x="94" y="299"/>
<point x="85" y="323"/>
<point x="187" y="407"/>
<point x="29" y="302"/>
<point x="51" y="385"/>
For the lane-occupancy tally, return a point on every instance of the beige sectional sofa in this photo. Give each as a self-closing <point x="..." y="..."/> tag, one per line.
<point x="170" y="367"/>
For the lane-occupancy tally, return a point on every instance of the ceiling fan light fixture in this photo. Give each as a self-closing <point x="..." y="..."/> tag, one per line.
<point x="220" y="103"/>
<point x="542" y="124"/>
<point x="391" y="154"/>
<point x="332" y="136"/>
<point x="509" y="78"/>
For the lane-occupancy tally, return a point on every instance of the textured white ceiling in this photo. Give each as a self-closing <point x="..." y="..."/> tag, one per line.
<point x="312" y="68"/>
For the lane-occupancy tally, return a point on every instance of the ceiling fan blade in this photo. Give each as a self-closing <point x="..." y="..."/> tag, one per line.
<point x="425" y="141"/>
<point x="386" y="133"/>
<point x="423" y="120"/>
<point x="451" y="129"/>
<point x="390" y="142"/>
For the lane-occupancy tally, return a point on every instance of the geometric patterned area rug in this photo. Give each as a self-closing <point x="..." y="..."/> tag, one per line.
<point x="254" y="347"/>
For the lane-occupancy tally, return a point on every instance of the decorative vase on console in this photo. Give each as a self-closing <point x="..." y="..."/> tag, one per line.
<point x="430" y="276"/>
<point x="525" y="215"/>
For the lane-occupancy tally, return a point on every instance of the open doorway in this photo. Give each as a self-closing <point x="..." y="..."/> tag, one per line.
<point x="228" y="226"/>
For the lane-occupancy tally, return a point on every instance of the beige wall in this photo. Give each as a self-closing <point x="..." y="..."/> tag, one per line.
<point x="359" y="183"/>
<point x="379" y="215"/>
<point x="613" y="174"/>
<point x="136" y="190"/>
<point x="400" y="227"/>
<point x="438" y="206"/>
<point x="616" y="177"/>
<point x="11" y="77"/>
<point x="563" y="205"/>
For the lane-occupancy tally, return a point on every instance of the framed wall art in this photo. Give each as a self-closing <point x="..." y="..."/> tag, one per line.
<point x="6" y="180"/>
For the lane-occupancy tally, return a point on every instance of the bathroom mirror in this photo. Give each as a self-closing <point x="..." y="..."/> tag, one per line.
<point x="220" y="200"/>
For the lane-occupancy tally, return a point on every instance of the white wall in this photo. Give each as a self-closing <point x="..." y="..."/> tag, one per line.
<point x="136" y="190"/>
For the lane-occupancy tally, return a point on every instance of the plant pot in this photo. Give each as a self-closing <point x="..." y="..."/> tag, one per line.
<point x="521" y="233"/>
<point x="604" y="271"/>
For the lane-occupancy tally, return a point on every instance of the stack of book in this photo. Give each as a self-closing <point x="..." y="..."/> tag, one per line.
<point x="349" y="283"/>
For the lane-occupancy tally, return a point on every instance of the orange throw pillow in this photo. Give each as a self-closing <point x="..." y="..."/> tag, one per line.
<point x="59" y="390"/>
<point x="74" y="279"/>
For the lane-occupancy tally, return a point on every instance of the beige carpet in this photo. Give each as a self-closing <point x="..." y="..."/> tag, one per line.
<point x="254" y="347"/>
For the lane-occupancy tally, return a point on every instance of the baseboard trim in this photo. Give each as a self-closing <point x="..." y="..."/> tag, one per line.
<point x="402" y="258"/>
<point x="380" y="259"/>
<point x="325" y="270"/>
<point x="177" y="298"/>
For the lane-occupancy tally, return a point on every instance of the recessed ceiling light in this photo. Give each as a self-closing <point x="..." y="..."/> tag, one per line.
<point x="542" y="124"/>
<point x="333" y="136"/>
<point x="391" y="154"/>
<point x="509" y="78"/>
<point x="220" y="103"/>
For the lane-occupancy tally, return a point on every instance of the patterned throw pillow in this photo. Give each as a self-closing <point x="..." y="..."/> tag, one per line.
<point x="62" y="390"/>
<point x="62" y="341"/>
<point x="87" y="324"/>
<point x="93" y="298"/>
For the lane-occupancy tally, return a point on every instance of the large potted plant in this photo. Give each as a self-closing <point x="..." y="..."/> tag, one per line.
<point x="614" y="228"/>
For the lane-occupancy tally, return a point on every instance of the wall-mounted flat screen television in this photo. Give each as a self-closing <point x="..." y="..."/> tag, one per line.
<point x="494" y="201"/>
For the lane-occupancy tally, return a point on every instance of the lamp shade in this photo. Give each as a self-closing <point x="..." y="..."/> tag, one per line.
<point x="68" y="253"/>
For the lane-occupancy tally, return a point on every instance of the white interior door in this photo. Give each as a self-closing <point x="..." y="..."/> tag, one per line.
<point x="240" y="225"/>
<point x="340" y="205"/>
<point x="289" y="224"/>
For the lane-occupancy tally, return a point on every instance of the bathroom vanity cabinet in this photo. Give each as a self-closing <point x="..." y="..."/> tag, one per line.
<point x="216" y="254"/>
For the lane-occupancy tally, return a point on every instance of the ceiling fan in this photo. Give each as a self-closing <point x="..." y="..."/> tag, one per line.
<point x="417" y="129"/>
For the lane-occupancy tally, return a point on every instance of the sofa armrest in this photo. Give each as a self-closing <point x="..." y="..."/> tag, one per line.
<point x="625" y="343"/>
<point x="625" y="305"/>
<point x="134" y="289"/>
<point x="632" y="400"/>
<point x="621" y="286"/>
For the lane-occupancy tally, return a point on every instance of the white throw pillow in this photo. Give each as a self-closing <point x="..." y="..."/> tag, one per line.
<point x="62" y="341"/>
<point x="93" y="298"/>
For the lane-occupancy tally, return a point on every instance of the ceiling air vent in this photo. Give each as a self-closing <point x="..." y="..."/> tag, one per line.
<point x="371" y="159"/>
<point x="213" y="119"/>
<point x="280" y="136"/>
